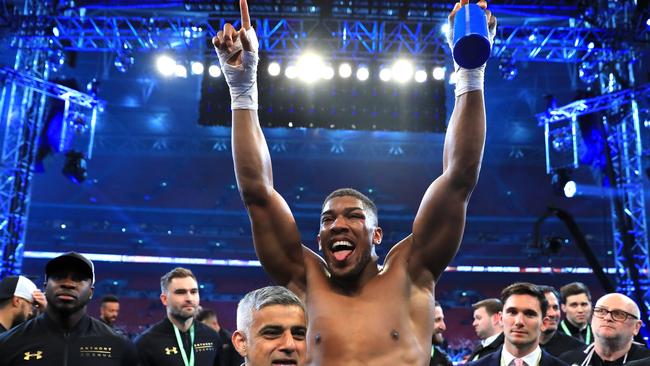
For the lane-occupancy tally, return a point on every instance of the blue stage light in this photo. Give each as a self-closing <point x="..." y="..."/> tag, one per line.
<point x="508" y="69"/>
<point x="588" y="72"/>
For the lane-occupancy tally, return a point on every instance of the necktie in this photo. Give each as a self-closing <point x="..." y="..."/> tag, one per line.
<point x="518" y="362"/>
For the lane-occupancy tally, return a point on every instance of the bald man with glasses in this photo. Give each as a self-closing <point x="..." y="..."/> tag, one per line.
<point x="615" y="322"/>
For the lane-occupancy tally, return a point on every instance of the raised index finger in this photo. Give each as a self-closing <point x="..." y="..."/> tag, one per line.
<point x="245" y="17"/>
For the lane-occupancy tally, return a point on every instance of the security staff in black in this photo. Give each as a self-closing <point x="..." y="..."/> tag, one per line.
<point x="160" y="346"/>
<point x="65" y="335"/>
<point x="178" y="340"/>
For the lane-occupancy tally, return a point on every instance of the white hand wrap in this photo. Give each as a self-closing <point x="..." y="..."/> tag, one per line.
<point x="242" y="79"/>
<point x="469" y="79"/>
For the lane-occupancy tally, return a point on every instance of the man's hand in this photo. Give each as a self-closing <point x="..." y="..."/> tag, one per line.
<point x="40" y="302"/>
<point x="237" y="51"/>
<point x="229" y="42"/>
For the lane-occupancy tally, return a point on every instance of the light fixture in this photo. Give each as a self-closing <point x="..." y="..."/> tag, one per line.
<point x="75" y="167"/>
<point x="166" y="65"/>
<point x="214" y="71"/>
<point x="439" y="73"/>
<point x="180" y="71"/>
<point x="402" y="70"/>
<point x="327" y="72"/>
<point x="385" y="74"/>
<point x="420" y="76"/>
<point x="123" y="60"/>
<point x="197" y="67"/>
<point x="345" y="70"/>
<point x="563" y="184"/>
<point x="363" y="73"/>
<point x="588" y="72"/>
<point x="508" y="69"/>
<point x="274" y="68"/>
<point x="310" y="67"/>
<point x="291" y="72"/>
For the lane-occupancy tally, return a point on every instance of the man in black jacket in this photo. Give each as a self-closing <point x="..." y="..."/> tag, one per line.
<point x="553" y="341"/>
<point x="524" y="308"/>
<point x="487" y="325"/>
<point x="615" y="323"/>
<point x="228" y="355"/>
<point x="576" y="305"/>
<point x="65" y="335"/>
<point x="178" y="340"/>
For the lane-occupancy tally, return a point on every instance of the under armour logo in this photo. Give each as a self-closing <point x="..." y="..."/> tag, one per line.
<point x="37" y="355"/>
<point x="170" y="350"/>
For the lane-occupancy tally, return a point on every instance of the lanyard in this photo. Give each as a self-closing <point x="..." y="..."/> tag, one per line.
<point x="182" y="348"/>
<point x="433" y="350"/>
<point x="568" y="332"/>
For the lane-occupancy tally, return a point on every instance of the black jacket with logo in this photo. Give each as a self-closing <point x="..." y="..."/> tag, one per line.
<point x="40" y="341"/>
<point x="158" y="346"/>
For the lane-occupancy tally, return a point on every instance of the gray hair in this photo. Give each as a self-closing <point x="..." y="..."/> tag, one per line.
<point x="260" y="298"/>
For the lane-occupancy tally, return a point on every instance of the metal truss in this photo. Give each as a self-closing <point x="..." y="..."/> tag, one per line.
<point x="600" y="103"/>
<point x="287" y="37"/>
<point x="625" y="144"/>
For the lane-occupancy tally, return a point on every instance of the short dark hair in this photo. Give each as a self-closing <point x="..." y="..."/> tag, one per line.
<point x="546" y="289"/>
<point x="525" y="288"/>
<point x="110" y="298"/>
<point x="574" y="288"/>
<point x="178" y="272"/>
<point x="205" y="314"/>
<point x="351" y="192"/>
<point x="492" y="306"/>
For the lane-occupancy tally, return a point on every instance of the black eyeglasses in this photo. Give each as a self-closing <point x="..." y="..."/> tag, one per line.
<point x="618" y="315"/>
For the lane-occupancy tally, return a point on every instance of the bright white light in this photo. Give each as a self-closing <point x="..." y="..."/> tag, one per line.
<point x="445" y="29"/>
<point x="420" y="76"/>
<point x="590" y="45"/>
<point x="180" y="71"/>
<point x="197" y="68"/>
<point x="166" y="65"/>
<point x="452" y="78"/>
<point x="345" y="70"/>
<point x="291" y="72"/>
<point x="55" y="31"/>
<point x="363" y="73"/>
<point x="63" y="226"/>
<point x="439" y="73"/>
<point x="385" y="74"/>
<point x="274" y="69"/>
<point x="214" y="71"/>
<point x="310" y="66"/>
<point x="570" y="189"/>
<point x="402" y="71"/>
<point x="327" y="72"/>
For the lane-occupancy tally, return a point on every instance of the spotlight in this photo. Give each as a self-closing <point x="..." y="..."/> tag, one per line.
<point x="197" y="67"/>
<point x="291" y="72"/>
<point x="508" y="69"/>
<point x="123" y="61"/>
<point x="56" y="60"/>
<point x="385" y="74"/>
<point x="421" y="76"/>
<point x="452" y="78"/>
<point x="166" y="65"/>
<point x="180" y="71"/>
<point x="55" y="31"/>
<point x="75" y="166"/>
<point x="363" y="73"/>
<point x="345" y="70"/>
<point x="563" y="184"/>
<point x="327" y="72"/>
<point x="402" y="71"/>
<point x="274" y="69"/>
<point x="214" y="71"/>
<point x="93" y="87"/>
<point x="445" y="28"/>
<point x="554" y="244"/>
<point x="310" y="66"/>
<point x="439" y="73"/>
<point x="587" y="72"/>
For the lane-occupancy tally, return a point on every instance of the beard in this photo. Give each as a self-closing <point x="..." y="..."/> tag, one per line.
<point x="180" y="314"/>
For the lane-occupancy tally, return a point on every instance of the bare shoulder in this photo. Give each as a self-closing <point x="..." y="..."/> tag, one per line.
<point x="403" y="257"/>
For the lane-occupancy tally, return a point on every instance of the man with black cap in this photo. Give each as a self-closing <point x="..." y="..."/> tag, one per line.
<point x="65" y="334"/>
<point x="18" y="294"/>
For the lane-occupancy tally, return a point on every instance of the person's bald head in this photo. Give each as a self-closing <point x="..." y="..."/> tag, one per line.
<point x="616" y="320"/>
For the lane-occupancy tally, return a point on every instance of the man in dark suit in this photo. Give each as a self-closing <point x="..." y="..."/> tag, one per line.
<point x="487" y="325"/>
<point x="438" y="356"/>
<point x="642" y="362"/>
<point x="524" y="308"/>
<point x="552" y="340"/>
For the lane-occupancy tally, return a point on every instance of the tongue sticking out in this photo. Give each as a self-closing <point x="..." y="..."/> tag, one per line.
<point x="342" y="254"/>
